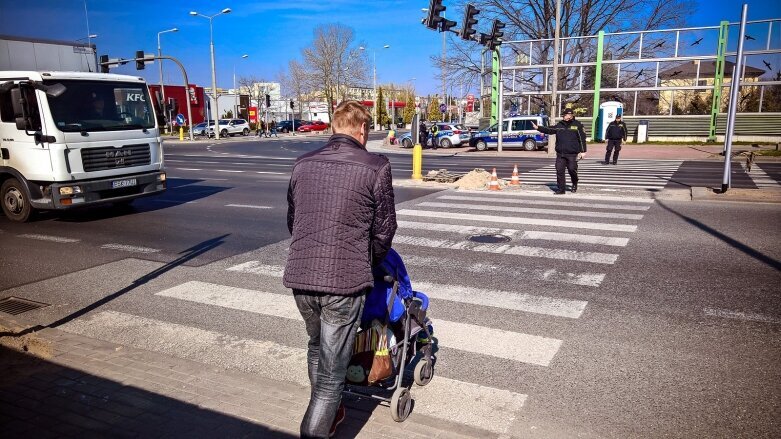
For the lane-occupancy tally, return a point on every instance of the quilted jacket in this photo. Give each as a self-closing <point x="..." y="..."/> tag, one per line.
<point x="341" y="216"/>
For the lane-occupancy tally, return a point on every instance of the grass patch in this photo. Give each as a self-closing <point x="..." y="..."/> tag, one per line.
<point x="769" y="153"/>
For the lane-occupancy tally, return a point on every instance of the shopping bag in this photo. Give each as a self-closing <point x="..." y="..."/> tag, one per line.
<point x="382" y="366"/>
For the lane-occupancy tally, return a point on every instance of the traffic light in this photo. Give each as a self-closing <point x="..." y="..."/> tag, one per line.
<point x="468" y="26"/>
<point x="104" y="64"/>
<point x="268" y="101"/>
<point x="496" y="34"/>
<point x="140" y="60"/>
<point x="433" y="18"/>
<point x="292" y="105"/>
<point x="446" y="25"/>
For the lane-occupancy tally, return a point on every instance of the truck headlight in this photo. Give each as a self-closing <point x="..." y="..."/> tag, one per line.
<point x="70" y="190"/>
<point x="161" y="177"/>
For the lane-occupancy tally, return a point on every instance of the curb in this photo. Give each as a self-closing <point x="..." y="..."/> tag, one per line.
<point x="736" y="195"/>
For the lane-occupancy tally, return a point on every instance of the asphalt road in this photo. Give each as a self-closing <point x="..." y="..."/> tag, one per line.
<point x="602" y="314"/>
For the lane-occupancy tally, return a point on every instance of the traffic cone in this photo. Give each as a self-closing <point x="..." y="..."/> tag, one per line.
<point x="494" y="184"/>
<point x="515" y="181"/>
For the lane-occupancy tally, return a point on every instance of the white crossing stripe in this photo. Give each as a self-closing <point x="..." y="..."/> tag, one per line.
<point x="570" y="237"/>
<point x="470" y="338"/>
<point x="48" y="238"/>
<point x="760" y="177"/>
<point x="493" y="409"/>
<point x="229" y="170"/>
<point x="740" y="315"/>
<point x="188" y="169"/>
<point x="558" y="197"/>
<point x="467" y="230"/>
<point x="543" y="202"/>
<point x="484" y="207"/>
<point x="412" y="262"/>
<point x="518" y="220"/>
<point x="129" y="248"/>
<point x="504" y="299"/>
<point x="249" y="206"/>
<point x="534" y="252"/>
<point x="272" y="173"/>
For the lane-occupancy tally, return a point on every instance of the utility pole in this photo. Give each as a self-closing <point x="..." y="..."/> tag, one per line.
<point x="555" y="86"/>
<point x="737" y="75"/>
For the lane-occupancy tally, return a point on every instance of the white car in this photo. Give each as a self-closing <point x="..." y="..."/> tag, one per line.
<point x="231" y="127"/>
<point x="451" y="134"/>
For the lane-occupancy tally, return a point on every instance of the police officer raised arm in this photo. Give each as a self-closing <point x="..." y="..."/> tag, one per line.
<point x="570" y="147"/>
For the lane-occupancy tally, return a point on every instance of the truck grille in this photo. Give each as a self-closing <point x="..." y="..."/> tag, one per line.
<point x="100" y="159"/>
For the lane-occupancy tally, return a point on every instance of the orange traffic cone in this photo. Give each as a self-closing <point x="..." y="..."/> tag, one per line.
<point x="515" y="181"/>
<point x="494" y="184"/>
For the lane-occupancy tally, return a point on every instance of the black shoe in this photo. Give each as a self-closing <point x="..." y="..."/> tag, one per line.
<point x="574" y="188"/>
<point x="559" y="193"/>
<point x="615" y="163"/>
<point x="605" y="163"/>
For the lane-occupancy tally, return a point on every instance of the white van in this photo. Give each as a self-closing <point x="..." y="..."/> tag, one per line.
<point x="70" y="139"/>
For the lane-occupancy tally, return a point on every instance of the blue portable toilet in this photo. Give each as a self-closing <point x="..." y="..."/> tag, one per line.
<point x="607" y="113"/>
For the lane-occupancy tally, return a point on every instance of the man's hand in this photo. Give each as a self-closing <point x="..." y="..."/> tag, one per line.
<point x="534" y="125"/>
<point x="581" y="156"/>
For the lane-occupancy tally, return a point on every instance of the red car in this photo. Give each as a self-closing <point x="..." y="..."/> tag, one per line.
<point x="313" y="126"/>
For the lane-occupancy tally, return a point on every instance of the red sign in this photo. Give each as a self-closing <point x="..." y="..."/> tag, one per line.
<point x="253" y="114"/>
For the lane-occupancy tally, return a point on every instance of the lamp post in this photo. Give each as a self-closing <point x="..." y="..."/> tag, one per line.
<point x="160" y="54"/>
<point x="235" y="90"/>
<point x="214" y="71"/>
<point x="374" y="82"/>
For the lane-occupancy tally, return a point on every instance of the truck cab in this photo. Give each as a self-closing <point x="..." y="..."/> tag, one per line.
<point x="517" y="132"/>
<point x="71" y="139"/>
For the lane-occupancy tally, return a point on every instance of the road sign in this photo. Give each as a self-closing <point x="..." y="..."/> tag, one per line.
<point x="442" y="108"/>
<point x="180" y="119"/>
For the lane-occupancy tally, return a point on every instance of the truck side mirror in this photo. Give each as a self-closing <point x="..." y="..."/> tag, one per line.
<point x="18" y="104"/>
<point x="55" y="90"/>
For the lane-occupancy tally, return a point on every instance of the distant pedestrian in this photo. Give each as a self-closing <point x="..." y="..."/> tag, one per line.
<point x="422" y="134"/>
<point x="615" y="132"/>
<point x="273" y="129"/>
<point x="342" y="219"/>
<point x="570" y="147"/>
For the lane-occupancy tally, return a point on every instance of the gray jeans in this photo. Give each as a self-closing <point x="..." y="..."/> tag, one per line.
<point x="331" y="323"/>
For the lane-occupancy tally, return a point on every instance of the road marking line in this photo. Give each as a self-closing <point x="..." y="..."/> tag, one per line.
<point x="490" y="408"/>
<point x="558" y="197"/>
<point x="534" y="252"/>
<point x="519" y="220"/>
<point x="129" y="248"/>
<point x="467" y="230"/>
<point x="476" y="296"/>
<point x="249" y="206"/>
<point x="47" y="238"/>
<point x="274" y="173"/>
<point x="581" y="213"/>
<point x="569" y="237"/>
<point x="739" y="315"/>
<point x="514" y="346"/>
<point x="158" y="200"/>
<point x="188" y="169"/>
<point x="229" y="170"/>
<point x="543" y="202"/>
<point x="760" y="178"/>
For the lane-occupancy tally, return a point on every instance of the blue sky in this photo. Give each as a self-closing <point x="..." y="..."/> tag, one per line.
<point x="270" y="32"/>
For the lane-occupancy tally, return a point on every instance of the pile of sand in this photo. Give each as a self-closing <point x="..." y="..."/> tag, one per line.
<point x="476" y="179"/>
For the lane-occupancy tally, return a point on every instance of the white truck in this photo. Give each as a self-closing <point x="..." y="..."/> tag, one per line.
<point x="71" y="139"/>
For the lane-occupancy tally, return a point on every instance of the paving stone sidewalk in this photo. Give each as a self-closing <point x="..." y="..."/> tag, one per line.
<point x="81" y="387"/>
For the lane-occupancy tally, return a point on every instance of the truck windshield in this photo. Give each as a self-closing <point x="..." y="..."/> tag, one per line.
<point x="101" y="106"/>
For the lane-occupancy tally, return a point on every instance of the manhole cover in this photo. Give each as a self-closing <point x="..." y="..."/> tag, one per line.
<point x="16" y="306"/>
<point x="489" y="239"/>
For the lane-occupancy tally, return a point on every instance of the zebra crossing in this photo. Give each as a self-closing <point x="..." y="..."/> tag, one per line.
<point x="635" y="174"/>
<point x="548" y="250"/>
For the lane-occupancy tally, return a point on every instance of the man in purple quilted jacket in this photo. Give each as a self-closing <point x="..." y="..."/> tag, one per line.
<point x="342" y="219"/>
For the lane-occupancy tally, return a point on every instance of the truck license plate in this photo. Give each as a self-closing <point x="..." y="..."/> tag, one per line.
<point x="123" y="183"/>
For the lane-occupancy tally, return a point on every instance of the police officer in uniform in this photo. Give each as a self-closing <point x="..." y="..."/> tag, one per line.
<point x="615" y="132"/>
<point x="434" y="132"/>
<point x="570" y="147"/>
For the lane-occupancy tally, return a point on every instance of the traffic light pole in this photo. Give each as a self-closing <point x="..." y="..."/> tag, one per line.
<point x="499" y="100"/>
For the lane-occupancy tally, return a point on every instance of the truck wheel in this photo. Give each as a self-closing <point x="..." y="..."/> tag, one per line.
<point x="445" y="143"/>
<point x="245" y="132"/>
<point x="16" y="205"/>
<point x="480" y="145"/>
<point x="529" y="145"/>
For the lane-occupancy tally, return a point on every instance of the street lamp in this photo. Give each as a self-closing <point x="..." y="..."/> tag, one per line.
<point x="214" y="70"/>
<point x="88" y="37"/>
<point x="374" y="82"/>
<point x="160" y="54"/>
<point x="236" y="111"/>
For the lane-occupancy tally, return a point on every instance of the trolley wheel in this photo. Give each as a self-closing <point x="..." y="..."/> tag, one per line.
<point x="401" y="404"/>
<point x="424" y="372"/>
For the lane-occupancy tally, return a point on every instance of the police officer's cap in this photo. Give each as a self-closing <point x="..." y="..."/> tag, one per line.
<point x="567" y="111"/>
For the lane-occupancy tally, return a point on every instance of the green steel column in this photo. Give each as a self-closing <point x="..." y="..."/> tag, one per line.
<point x="718" y="80"/>
<point x="495" y="87"/>
<point x="597" y="82"/>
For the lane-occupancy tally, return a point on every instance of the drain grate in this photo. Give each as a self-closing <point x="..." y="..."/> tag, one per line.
<point x="16" y="306"/>
<point x="489" y="239"/>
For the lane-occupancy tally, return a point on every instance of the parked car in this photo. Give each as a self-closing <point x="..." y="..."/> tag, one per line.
<point x="316" y="125"/>
<point x="200" y="129"/>
<point x="517" y="132"/>
<point x="451" y="134"/>
<point x="286" y="126"/>
<point x="231" y="127"/>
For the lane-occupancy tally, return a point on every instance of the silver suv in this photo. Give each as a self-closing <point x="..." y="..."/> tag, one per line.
<point x="231" y="127"/>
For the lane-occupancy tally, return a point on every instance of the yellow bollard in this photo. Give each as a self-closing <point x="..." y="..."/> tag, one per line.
<point x="181" y="133"/>
<point x="417" y="162"/>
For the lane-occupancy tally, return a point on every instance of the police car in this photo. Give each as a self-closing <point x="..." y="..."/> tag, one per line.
<point x="517" y="132"/>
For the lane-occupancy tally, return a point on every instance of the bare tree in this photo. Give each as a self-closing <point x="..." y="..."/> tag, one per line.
<point x="333" y="60"/>
<point x="296" y="83"/>
<point x="249" y="85"/>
